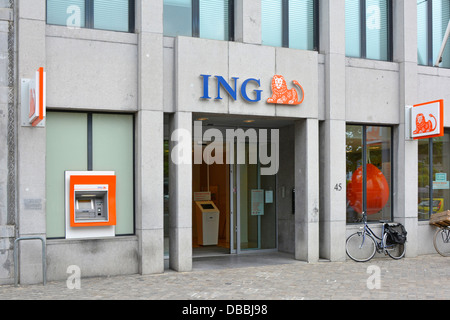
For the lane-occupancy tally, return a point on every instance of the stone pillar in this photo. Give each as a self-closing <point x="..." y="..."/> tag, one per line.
<point x="180" y="191"/>
<point x="150" y="133"/>
<point x="150" y="191"/>
<point x="31" y="144"/>
<point x="332" y="133"/>
<point x="307" y="190"/>
<point x="7" y="149"/>
<point x="406" y="167"/>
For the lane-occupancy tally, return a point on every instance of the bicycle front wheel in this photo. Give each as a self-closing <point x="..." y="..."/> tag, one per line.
<point x="360" y="247"/>
<point x="396" y="250"/>
<point x="441" y="241"/>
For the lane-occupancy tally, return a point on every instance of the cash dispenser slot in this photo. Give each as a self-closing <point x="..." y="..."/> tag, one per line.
<point x="91" y="206"/>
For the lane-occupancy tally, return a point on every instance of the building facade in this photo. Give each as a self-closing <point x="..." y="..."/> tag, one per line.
<point x="160" y="92"/>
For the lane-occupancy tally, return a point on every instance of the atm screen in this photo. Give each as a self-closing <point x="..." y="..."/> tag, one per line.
<point x="84" y="204"/>
<point x="207" y="206"/>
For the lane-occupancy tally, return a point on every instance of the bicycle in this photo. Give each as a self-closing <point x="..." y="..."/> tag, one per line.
<point x="362" y="246"/>
<point x="441" y="240"/>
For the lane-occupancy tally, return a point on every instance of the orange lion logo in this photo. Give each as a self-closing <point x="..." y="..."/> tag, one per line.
<point x="423" y="126"/>
<point x="282" y="95"/>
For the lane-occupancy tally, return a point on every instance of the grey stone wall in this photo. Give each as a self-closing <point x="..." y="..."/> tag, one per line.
<point x="7" y="135"/>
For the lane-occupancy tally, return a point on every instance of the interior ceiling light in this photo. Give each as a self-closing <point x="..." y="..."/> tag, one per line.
<point x="202" y="119"/>
<point x="249" y="121"/>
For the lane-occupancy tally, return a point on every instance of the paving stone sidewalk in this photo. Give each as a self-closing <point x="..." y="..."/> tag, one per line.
<point x="421" y="278"/>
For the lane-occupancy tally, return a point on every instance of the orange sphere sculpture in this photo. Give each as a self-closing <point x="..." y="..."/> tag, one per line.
<point x="377" y="190"/>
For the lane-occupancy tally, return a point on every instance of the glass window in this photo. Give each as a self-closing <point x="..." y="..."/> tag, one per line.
<point x="272" y="22"/>
<point x="369" y="159"/>
<point x="422" y="32"/>
<point x="352" y="28"/>
<point x="70" y="147"/>
<point x="178" y="18"/>
<point x="209" y="19"/>
<point x="424" y="178"/>
<point x="368" y="29"/>
<point x="302" y="24"/>
<point x="377" y="31"/>
<point x="289" y="23"/>
<point x="214" y="19"/>
<point x="432" y="20"/>
<point x="111" y="15"/>
<point x="434" y="167"/>
<point x="112" y="149"/>
<point x="441" y="16"/>
<point x="66" y="149"/>
<point x="115" y="15"/>
<point x="69" y="13"/>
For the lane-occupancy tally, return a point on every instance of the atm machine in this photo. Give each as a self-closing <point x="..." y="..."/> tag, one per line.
<point x="90" y="204"/>
<point x="207" y="216"/>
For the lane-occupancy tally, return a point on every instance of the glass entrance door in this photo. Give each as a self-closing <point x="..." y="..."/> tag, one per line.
<point x="254" y="205"/>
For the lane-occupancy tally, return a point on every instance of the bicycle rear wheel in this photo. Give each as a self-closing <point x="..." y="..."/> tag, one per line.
<point x="395" y="250"/>
<point x="360" y="247"/>
<point x="441" y="241"/>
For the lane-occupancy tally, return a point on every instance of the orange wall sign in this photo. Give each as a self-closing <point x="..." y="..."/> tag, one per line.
<point x="37" y="98"/>
<point x="427" y="120"/>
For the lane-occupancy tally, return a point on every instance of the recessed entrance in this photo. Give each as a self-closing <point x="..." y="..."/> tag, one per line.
<point x="252" y="197"/>
<point x="239" y="213"/>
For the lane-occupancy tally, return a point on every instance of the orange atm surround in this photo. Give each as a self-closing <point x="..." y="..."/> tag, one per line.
<point x="109" y="180"/>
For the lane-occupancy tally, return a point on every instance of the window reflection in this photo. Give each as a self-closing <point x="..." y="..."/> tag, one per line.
<point x="368" y="160"/>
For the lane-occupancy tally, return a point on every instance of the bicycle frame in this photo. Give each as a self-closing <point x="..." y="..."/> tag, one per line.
<point x="381" y="246"/>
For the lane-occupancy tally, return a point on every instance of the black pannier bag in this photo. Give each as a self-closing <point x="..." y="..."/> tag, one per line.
<point x="396" y="233"/>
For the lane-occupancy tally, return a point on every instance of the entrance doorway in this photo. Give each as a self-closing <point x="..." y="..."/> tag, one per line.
<point x="245" y="201"/>
<point x="211" y="183"/>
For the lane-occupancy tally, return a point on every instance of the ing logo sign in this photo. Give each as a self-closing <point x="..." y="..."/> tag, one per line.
<point x="280" y="92"/>
<point x="427" y="120"/>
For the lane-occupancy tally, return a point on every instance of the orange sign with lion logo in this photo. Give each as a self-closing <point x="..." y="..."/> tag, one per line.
<point x="427" y="120"/>
<point x="282" y="95"/>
